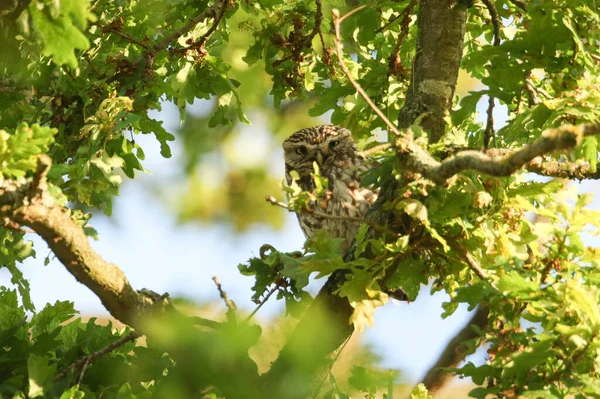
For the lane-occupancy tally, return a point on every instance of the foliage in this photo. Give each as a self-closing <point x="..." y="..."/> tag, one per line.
<point x="80" y="79"/>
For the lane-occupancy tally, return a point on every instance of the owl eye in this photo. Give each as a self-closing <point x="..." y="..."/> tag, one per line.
<point x="301" y="150"/>
<point x="333" y="143"/>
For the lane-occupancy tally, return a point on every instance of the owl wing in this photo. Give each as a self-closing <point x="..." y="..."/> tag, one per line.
<point x="348" y="199"/>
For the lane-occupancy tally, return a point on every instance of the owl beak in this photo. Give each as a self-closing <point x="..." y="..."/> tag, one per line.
<point x="319" y="158"/>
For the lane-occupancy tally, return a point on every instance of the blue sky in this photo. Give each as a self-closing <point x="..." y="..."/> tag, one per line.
<point x="155" y="252"/>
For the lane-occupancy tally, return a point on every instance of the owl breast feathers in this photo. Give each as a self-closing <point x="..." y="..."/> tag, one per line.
<point x="334" y="150"/>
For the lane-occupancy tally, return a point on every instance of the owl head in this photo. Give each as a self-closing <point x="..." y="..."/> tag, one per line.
<point x="327" y="145"/>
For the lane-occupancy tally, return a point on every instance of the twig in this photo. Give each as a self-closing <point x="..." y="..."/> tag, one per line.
<point x="228" y="302"/>
<point x="489" y="132"/>
<point x="520" y="3"/>
<point x="455" y="351"/>
<point x="147" y="58"/>
<point x="393" y="19"/>
<point x="214" y="26"/>
<point x="472" y="262"/>
<point x="93" y="356"/>
<point x="376" y="149"/>
<point x="262" y="302"/>
<point x="14" y="226"/>
<point x="394" y="62"/>
<point x="273" y="201"/>
<point x="18" y="10"/>
<point x="82" y="372"/>
<point x="201" y="321"/>
<point x="530" y="89"/>
<point x="204" y="38"/>
<point x="317" y="28"/>
<point x="193" y="22"/>
<point x="38" y="184"/>
<point x="337" y="20"/>
<point x="131" y="39"/>
<point x="533" y="90"/>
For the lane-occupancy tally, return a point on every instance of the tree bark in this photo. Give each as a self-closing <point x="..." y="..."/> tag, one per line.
<point x="442" y="26"/>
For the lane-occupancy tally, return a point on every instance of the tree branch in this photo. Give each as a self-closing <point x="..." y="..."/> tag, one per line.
<point x="455" y="352"/>
<point x="542" y="166"/>
<point x="472" y="262"/>
<point x="30" y="204"/>
<point x="562" y="170"/>
<point x="418" y="160"/>
<point x="116" y="30"/>
<point x="228" y="302"/>
<point x="199" y="44"/>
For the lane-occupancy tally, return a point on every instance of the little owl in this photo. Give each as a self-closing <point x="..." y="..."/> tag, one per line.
<point x="337" y="156"/>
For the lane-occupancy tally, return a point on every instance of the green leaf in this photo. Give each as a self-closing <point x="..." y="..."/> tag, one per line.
<point x="51" y="317"/>
<point x="364" y="295"/>
<point x="40" y="375"/>
<point x="585" y="301"/>
<point x="62" y="33"/>
<point x="539" y="394"/>
<point x="19" y="151"/>
<point x="414" y="208"/>
<point x="13" y="250"/>
<point x="363" y="380"/>
<point x="322" y="267"/>
<point x="514" y="285"/>
<point x="590" y="152"/>
<point x="324" y="246"/>
<point x="294" y="269"/>
<point x="478" y="374"/>
<point x="527" y="359"/>
<point x="149" y="125"/>
<point x="420" y="392"/>
<point x="370" y="21"/>
<point x="73" y="393"/>
<point x="409" y="276"/>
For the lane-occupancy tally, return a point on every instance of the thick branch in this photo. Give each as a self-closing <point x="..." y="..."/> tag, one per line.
<point x="30" y="204"/>
<point x="418" y="160"/>
<point x="562" y="170"/>
<point x="442" y="26"/>
<point x="455" y="351"/>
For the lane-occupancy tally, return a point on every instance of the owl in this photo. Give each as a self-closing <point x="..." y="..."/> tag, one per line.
<point x="339" y="160"/>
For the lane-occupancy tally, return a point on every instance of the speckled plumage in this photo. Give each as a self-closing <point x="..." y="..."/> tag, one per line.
<point x="333" y="148"/>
